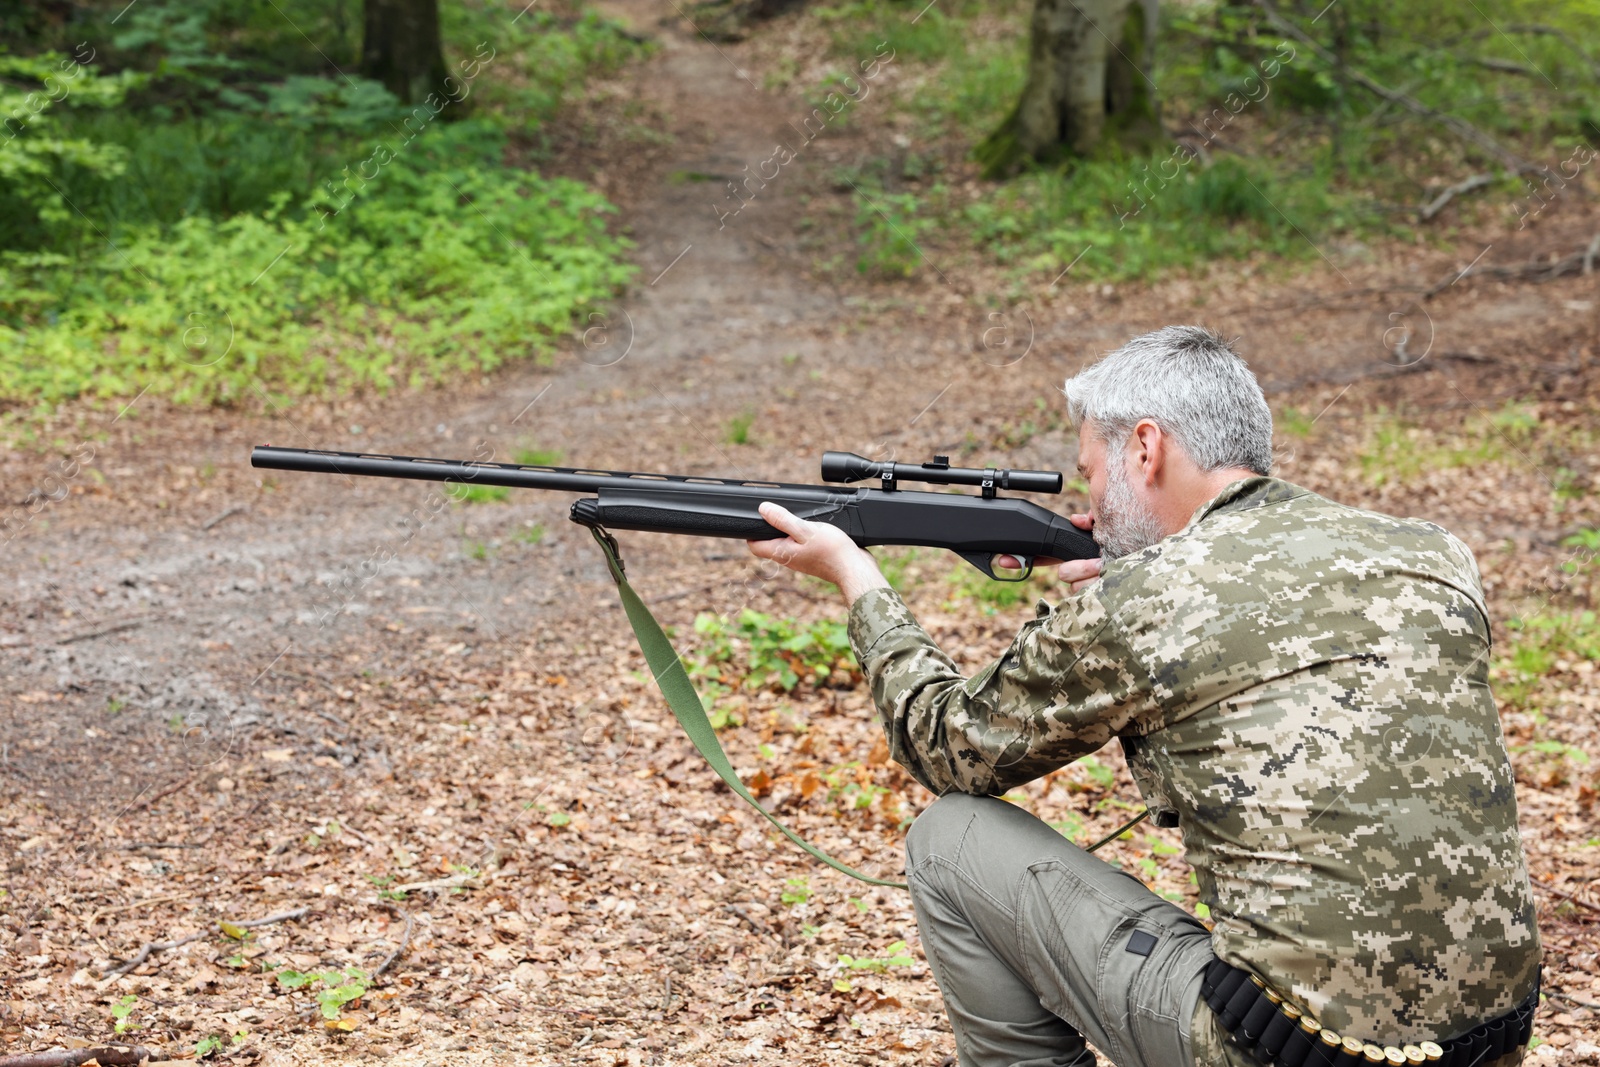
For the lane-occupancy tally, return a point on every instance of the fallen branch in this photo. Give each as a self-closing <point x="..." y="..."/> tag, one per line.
<point x="114" y="628"/>
<point x="164" y="946"/>
<point x="1461" y="188"/>
<point x="1552" y="994"/>
<point x="102" y="912"/>
<point x="1460" y="127"/>
<point x="405" y="940"/>
<point x="222" y="517"/>
<point x="455" y="881"/>
<point x="167" y="792"/>
<point x="1576" y="263"/>
<point x="106" y="1056"/>
<point x="1553" y="891"/>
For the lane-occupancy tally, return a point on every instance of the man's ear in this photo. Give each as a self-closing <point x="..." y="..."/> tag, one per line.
<point x="1149" y="451"/>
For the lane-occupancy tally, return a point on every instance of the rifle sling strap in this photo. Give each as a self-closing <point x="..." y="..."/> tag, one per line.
<point x="667" y="670"/>
<point x="679" y="692"/>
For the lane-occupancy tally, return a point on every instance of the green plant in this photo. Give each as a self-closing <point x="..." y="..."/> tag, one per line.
<point x="122" y="1011"/>
<point x="207" y="1045"/>
<point x="797" y="891"/>
<point x="530" y="534"/>
<point x="538" y="457"/>
<point x="1538" y="644"/>
<point x="479" y="494"/>
<point x="773" y="650"/>
<point x="897" y="955"/>
<point x="738" y="432"/>
<point x="1102" y="776"/>
<point x="888" y="225"/>
<point x="338" y="987"/>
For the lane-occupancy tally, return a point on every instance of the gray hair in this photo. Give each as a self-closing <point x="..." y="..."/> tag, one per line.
<point x="1190" y="382"/>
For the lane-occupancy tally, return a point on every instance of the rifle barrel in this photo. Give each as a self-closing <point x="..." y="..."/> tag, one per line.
<point x="514" y="475"/>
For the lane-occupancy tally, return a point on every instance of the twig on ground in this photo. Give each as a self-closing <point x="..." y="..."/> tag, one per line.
<point x="152" y="947"/>
<point x="1552" y="994"/>
<point x="167" y="792"/>
<point x="105" y="1055"/>
<point x="455" y="881"/>
<point x="163" y="946"/>
<point x="223" y="516"/>
<point x="282" y="916"/>
<point x="156" y="844"/>
<point x="102" y="912"/>
<point x="102" y="631"/>
<point x="405" y="940"/>
<point x="1553" y="891"/>
<point x="1552" y="267"/>
<point x="1432" y="208"/>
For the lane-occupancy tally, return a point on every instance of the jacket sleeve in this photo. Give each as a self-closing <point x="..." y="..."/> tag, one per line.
<point x="1063" y="689"/>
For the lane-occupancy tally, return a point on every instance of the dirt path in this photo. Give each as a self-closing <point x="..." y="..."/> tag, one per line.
<point x="177" y="624"/>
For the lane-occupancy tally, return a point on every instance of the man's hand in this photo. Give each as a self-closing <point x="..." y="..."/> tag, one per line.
<point x="820" y="550"/>
<point x="1078" y="572"/>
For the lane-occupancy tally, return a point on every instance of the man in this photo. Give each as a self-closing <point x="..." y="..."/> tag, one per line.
<point x="1300" y="686"/>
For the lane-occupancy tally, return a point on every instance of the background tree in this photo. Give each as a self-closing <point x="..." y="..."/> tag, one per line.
<point x="400" y="48"/>
<point x="1089" y="65"/>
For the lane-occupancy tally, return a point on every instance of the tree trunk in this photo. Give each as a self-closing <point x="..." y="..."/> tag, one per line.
<point x="400" y="48"/>
<point x="1088" y="85"/>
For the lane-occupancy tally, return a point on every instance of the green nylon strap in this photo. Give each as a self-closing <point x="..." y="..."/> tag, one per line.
<point x="685" y="703"/>
<point x="681" y="697"/>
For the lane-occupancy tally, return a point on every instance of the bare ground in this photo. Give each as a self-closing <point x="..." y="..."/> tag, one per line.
<point x="190" y="733"/>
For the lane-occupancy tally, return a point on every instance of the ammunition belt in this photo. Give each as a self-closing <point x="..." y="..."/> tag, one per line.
<point x="1274" y="1031"/>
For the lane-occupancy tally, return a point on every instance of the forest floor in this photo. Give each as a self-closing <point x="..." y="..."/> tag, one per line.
<point x="463" y="777"/>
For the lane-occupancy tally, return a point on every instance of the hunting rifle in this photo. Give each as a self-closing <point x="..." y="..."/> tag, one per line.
<point x="978" y="528"/>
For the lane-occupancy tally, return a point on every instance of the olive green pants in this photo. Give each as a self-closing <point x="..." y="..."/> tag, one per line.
<point x="1038" y="948"/>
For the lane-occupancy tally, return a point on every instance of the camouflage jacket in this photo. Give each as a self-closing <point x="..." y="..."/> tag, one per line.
<point x="1303" y="685"/>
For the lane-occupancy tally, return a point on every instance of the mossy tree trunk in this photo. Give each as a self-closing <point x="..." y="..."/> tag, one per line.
<point x="1088" y="85"/>
<point x="400" y="47"/>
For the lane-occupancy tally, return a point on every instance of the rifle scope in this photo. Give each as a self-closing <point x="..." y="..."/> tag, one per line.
<point x="849" y="467"/>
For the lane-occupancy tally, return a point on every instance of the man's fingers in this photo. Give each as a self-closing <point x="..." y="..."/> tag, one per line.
<point x="1080" y="572"/>
<point x="1082" y="522"/>
<point x="780" y="518"/>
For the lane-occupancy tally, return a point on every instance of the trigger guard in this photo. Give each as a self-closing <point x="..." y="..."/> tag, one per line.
<point x="985" y="563"/>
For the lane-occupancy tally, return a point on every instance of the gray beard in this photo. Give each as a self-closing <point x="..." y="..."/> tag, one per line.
<point x="1123" y="523"/>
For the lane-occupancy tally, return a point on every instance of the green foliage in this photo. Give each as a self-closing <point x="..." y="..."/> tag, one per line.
<point x="969" y="583"/>
<point x="1538" y="644"/>
<point x="797" y="891"/>
<point x="1399" y="451"/>
<point x="897" y="564"/>
<point x="530" y="534"/>
<point x="208" y="1045"/>
<point x="738" y="432"/>
<point x="896" y="955"/>
<point x="849" y="788"/>
<point x="122" y="1011"/>
<point x="887" y="228"/>
<point x="538" y="457"/>
<point x="405" y="285"/>
<point x="759" y="649"/>
<point x="479" y="494"/>
<point x="1102" y="776"/>
<point x="34" y="91"/>
<point x="245" y="227"/>
<point x="337" y="987"/>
